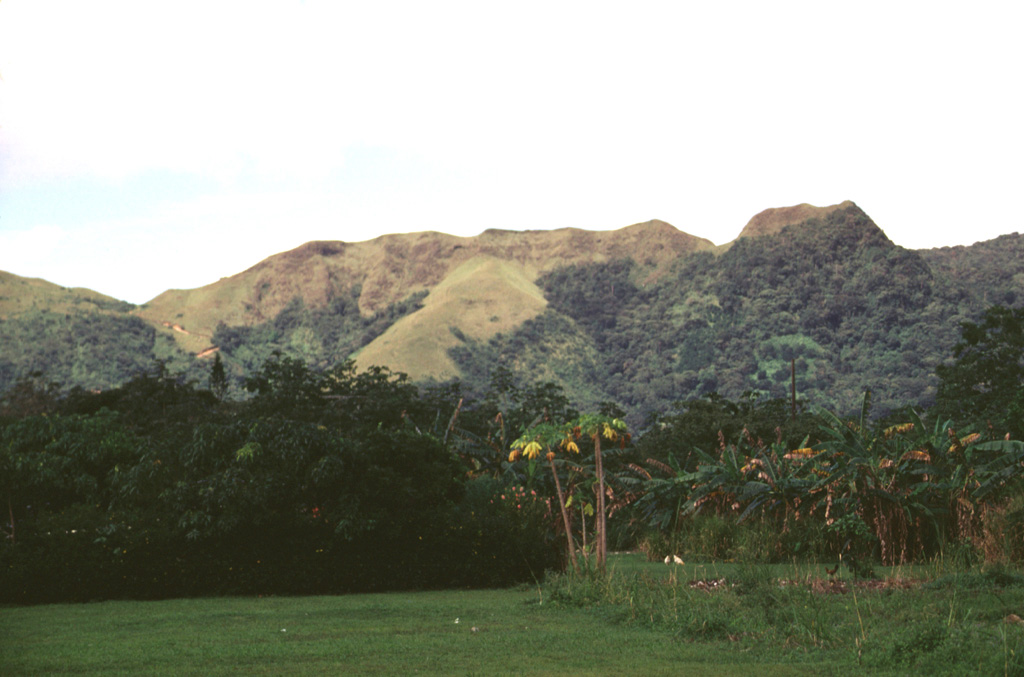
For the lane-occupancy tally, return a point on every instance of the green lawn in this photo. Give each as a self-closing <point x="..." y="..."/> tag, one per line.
<point x="526" y="631"/>
<point x="357" y="634"/>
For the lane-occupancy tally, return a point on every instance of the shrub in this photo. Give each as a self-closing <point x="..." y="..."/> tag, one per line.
<point x="499" y="535"/>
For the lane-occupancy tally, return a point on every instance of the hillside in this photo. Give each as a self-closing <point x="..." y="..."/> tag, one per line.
<point x="391" y="268"/>
<point x="75" y="337"/>
<point x="834" y="295"/>
<point x="19" y="295"/>
<point x="772" y="221"/>
<point x="641" y="316"/>
<point x="991" y="268"/>
<point x="480" y="298"/>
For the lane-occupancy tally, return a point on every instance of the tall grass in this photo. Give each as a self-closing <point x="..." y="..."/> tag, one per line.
<point x="963" y="623"/>
<point x="722" y="538"/>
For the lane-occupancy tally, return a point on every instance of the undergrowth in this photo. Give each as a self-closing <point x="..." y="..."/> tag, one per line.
<point x="964" y="623"/>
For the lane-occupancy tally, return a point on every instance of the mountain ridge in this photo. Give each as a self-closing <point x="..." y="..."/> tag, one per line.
<point x="392" y="267"/>
<point x="642" y="315"/>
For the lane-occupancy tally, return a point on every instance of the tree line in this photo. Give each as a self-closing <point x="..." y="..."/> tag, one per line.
<point x="318" y="481"/>
<point x="333" y="480"/>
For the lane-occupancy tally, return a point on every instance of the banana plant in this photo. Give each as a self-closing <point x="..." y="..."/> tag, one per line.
<point x="719" y="480"/>
<point x="777" y="484"/>
<point x="665" y="497"/>
<point x="900" y="481"/>
<point x="858" y="480"/>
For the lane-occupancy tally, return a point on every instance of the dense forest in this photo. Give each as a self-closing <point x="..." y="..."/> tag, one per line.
<point x="833" y="300"/>
<point x="334" y="480"/>
<point x="320" y="481"/>
<point x="90" y="350"/>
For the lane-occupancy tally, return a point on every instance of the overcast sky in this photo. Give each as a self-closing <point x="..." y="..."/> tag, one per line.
<point x="147" y="146"/>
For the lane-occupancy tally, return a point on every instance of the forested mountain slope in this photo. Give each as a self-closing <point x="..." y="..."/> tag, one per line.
<point x="852" y="310"/>
<point x="642" y="316"/>
<point x="74" y="337"/>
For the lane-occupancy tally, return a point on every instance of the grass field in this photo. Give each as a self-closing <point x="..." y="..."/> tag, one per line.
<point x="646" y="619"/>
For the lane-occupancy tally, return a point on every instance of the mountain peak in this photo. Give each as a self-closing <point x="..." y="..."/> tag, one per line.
<point x="771" y="221"/>
<point x="656" y="225"/>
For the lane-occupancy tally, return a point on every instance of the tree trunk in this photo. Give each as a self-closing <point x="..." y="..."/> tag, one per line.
<point x="565" y="515"/>
<point x="10" y="513"/>
<point x="602" y="539"/>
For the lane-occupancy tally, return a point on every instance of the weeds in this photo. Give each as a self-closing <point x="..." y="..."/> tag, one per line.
<point x="713" y="537"/>
<point x="996" y="576"/>
<point x="954" y="625"/>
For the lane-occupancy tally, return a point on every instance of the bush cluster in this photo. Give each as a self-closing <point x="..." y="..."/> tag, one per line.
<point x="319" y="483"/>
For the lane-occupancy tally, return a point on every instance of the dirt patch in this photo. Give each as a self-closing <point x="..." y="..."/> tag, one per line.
<point x="822" y="586"/>
<point x="710" y="584"/>
<point x="840" y="587"/>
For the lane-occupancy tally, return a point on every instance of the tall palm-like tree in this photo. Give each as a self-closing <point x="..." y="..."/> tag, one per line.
<point x="598" y="427"/>
<point x="546" y="437"/>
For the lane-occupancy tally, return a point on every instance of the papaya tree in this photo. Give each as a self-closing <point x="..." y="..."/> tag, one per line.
<point x="546" y="437"/>
<point x="598" y="427"/>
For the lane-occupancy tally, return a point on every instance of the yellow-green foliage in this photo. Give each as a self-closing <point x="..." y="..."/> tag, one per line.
<point x="480" y="298"/>
<point x="19" y="295"/>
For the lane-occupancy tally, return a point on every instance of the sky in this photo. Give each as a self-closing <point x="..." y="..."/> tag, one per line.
<point x="147" y="146"/>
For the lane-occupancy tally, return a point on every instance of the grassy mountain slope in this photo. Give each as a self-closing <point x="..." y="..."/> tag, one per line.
<point x="643" y="316"/>
<point x="478" y="299"/>
<point x="19" y="295"/>
<point x="772" y="221"/>
<point x="391" y="268"/>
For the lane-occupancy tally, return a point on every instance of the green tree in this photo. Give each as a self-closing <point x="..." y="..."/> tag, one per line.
<point x="218" y="378"/>
<point x="566" y="436"/>
<point x="598" y="427"/>
<point x="986" y="380"/>
<point x="545" y="437"/>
